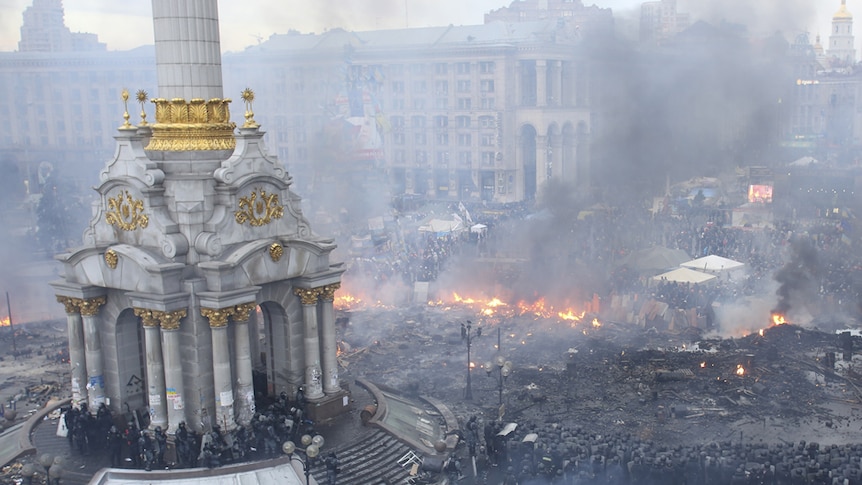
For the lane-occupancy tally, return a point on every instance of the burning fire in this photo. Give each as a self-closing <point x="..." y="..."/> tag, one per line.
<point x="740" y="371"/>
<point x="495" y="306"/>
<point x="5" y="322"/>
<point x="486" y="307"/>
<point x="778" y="319"/>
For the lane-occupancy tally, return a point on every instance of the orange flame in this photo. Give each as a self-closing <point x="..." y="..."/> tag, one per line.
<point x="5" y="322"/>
<point x="740" y="371"/>
<point x="484" y="306"/>
<point x="778" y="319"/>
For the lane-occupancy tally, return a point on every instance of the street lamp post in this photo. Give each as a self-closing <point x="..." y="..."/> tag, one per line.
<point x="311" y="451"/>
<point x="503" y="366"/>
<point x="467" y="336"/>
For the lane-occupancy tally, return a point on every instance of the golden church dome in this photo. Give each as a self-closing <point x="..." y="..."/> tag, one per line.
<point x="843" y="13"/>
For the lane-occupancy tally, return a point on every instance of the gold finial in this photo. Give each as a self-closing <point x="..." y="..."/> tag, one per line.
<point x="142" y="98"/>
<point x="248" y="98"/>
<point x="126" y="116"/>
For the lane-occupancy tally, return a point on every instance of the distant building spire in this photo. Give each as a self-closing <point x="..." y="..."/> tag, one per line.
<point x="841" y="41"/>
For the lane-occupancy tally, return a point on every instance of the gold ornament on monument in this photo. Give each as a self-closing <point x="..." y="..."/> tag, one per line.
<point x="259" y="210"/>
<point x="193" y="125"/>
<point x="111" y="258"/>
<point x="248" y="98"/>
<point x="126" y="116"/>
<point x="126" y="212"/>
<point x="142" y="98"/>
<point x="276" y="251"/>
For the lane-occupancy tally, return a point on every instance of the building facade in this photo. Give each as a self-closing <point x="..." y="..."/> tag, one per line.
<point x="484" y="112"/>
<point x="660" y="21"/>
<point x="488" y="112"/>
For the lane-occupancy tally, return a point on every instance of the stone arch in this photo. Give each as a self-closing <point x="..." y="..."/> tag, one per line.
<point x="527" y="148"/>
<point x="281" y="341"/>
<point x="130" y="364"/>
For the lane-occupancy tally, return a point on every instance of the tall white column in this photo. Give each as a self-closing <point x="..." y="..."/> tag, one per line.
<point x="155" y="369"/>
<point x="244" y="396"/>
<point x="174" y="390"/>
<point x="328" y="345"/>
<point x="93" y="352"/>
<point x="556" y="81"/>
<point x="541" y="161"/>
<point x="541" y="83"/>
<point x="76" y="350"/>
<point x="223" y="388"/>
<point x="188" y="53"/>
<point x="313" y="387"/>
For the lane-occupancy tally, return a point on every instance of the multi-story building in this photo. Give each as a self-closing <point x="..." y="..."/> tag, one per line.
<point x="486" y="112"/>
<point x="61" y="88"/>
<point x="473" y="112"/>
<point x="44" y="30"/>
<point x="660" y="21"/>
<point x="586" y="19"/>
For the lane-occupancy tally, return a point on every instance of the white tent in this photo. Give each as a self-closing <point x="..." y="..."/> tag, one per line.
<point x="685" y="275"/>
<point x="441" y="226"/>
<point x="804" y="162"/>
<point x="713" y="264"/>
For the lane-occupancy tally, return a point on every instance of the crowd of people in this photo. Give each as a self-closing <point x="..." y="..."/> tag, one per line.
<point x="134" y="446"/>
<point x="550" y="454"/>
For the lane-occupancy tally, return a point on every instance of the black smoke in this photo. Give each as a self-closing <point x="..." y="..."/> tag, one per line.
<point x="697" y="104"/>
<point x="798" y="279"/>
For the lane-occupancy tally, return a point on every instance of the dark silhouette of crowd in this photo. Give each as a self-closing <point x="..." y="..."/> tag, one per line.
<point x="130" y="446"/>
<point x="552" y="454"/>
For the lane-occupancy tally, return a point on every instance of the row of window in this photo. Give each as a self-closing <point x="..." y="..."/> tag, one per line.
<point x="442" y="121"/>
<point x="465" y="159"/>
<point x="442" y="68"/>
<point x="442" y="139"/>
<point x="442" y="87"/>
<point x="419" y="104"/>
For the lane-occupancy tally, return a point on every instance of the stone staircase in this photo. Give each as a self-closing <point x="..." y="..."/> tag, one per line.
<point x="370" y="461"/>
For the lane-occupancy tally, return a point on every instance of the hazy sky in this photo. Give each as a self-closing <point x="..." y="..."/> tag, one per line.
<point x="123" y="25"/>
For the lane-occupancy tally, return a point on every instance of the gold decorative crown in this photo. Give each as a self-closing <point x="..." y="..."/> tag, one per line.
<point x="192" y="125"/>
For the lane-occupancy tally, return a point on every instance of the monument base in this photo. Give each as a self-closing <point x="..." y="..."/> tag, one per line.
<point x="330" y="406"/>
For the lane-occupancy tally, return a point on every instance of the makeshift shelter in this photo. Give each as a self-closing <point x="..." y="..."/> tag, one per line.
<point x="713" y="264"/>
<point x="804" y="162"/>
<point x="685" y="275"/>
<point x="655" y="259"/>
<point x="441" y="227"/>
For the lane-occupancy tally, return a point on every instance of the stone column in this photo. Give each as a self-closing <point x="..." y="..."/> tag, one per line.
<point x="519" y="83"/>
<point x="558" y="158"/>
<point x="155" y="369"/>
<point x="541" y="83"/>
<point x="223" y="387"/>
<point x="93" y="352"/>
<point x="242" y="353"/>
<point x="187" y="40"/>
<point x="541" y="161"/>
<point x="76" y="349"/>
<point x="308" y="296"/>
<point x="173" y="367"/>
<point x="328" y="346"/>
<point x="555" y="84"/>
